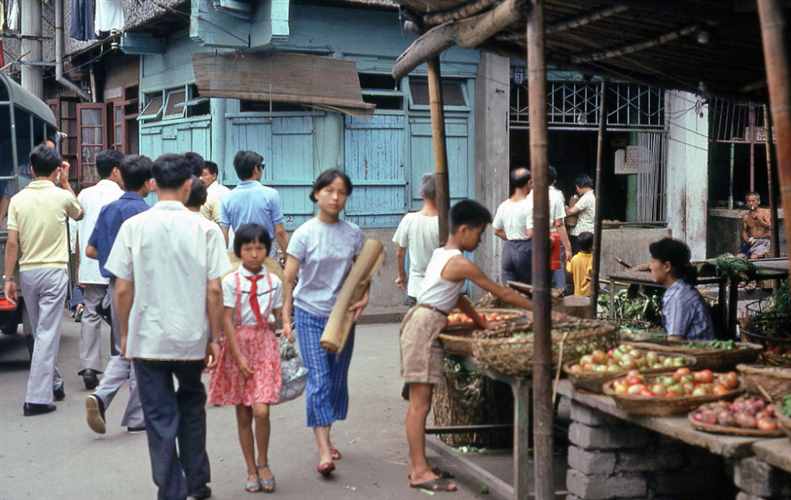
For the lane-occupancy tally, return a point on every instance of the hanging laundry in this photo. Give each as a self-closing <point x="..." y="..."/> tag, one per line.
<point x="81" y="27"/>
<point x="2" y="14"/>
<point x="13" y="14"/>
<point x="2" y="54"/>
<point x="109" y="16"/>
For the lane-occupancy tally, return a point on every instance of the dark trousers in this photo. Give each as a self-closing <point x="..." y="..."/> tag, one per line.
<point x="175" y="416"/>
<point x="517" y="261"/>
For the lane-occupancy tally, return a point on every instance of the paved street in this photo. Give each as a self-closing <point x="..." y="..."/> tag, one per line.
<point x="57" y="457"/>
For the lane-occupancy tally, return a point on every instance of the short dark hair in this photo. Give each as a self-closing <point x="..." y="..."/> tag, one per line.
<point x="106" y="161"/>
<point x="135" y="171"/>
<point x="211" y="167"/>
<point x="676" y="253"/>
<point x="245" y="162"/>
<point x="171" y="171"/>
<point x="196" y="162"/>
<point x="328" y="177"/>
<point x="585" y="241"/>
<point x="44" y="160"/>
<point x="251" y="233"/>
<point x="428" y="187"/>
<point x="520" y="176"/>
<point x="552" y="174"/>
<point x="469" y="213"/>
<point x="584" y="181"/>
<point x="198" y="193"/>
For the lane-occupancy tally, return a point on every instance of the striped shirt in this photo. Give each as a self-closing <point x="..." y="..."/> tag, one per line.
<point x="685" y="314"/>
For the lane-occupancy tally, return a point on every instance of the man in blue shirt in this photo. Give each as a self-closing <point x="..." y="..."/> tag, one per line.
<point x="136" y="174"/>
<point x="252" y="202"/>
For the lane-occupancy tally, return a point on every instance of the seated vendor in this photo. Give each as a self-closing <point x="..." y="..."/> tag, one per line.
<point x="756" y="229"/>
<point x="684" y="312"/>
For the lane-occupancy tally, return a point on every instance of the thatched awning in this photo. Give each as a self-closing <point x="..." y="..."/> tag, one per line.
<point x="282" y="77"/>
<point x="704" y="46"/>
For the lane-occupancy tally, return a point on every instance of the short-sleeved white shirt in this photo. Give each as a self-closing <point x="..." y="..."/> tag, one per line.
<point x="586" y="215"/>
<point x="92" y="200"/>
<point x="263" y="293"/>
<point x="511" y="217"/>
<point x="557" y="208"/>
<point x="170" y="254"/>
<point x="325" y="253"/>
<point x="419" y="234"/>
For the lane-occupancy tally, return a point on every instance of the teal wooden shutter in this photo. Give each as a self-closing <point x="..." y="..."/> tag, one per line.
<point x="176" y="137"/>
<point x="374" y="160"/>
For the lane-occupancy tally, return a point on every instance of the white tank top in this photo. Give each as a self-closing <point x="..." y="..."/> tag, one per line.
<point x="437" y="292"/>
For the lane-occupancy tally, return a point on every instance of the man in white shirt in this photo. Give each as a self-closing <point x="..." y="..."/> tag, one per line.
<point x="584" y="209"/>
<point x="168" y="268"/>
<point x="215" y="191"/>
<point x="91" y="281"/>
<point x="510" y="224"/>
<point x="417" y="236"/>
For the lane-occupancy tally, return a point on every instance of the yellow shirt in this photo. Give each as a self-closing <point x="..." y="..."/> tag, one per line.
<point x="580" y="268"/>
<point x="38" y="213"/>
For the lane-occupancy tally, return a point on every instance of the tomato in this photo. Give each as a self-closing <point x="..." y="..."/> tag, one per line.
<point x="704" y="376"/>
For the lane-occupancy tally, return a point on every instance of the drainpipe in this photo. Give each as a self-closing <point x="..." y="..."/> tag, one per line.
<point x="59" y="43"/>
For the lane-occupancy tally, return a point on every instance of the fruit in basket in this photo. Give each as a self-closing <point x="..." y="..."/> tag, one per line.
<point x="746" y="412"/>
<point x="459" y="318"/>
<point x="624" y="358"/>
<point x="682" y="383"/>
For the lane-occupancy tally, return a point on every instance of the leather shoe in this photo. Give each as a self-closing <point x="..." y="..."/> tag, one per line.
<point x="94" y="414"/>
<point x="202" y="494"/>
<point x="59" y="393"/>
<point x="31" y="409"/>
<point x="90" y="379"/>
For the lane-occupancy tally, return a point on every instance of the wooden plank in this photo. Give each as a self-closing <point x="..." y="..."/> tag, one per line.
<point x="521" y="390"/>
<point x="674" y="427"/>
<point x="775" y="452"/>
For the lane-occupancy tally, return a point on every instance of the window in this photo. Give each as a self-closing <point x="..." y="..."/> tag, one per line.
<point x="118" y="128"/>
<point x="263" y="107"/>
<point x="452" y="92"/>
<point x="152" y="107"/>
<point x="91" y="123"/>
<point x="174" y="107"/>
<point x="197" y="105"/>
<point x="382" y="91"/>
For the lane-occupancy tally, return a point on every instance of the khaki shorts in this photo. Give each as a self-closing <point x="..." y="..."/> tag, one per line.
<point x="421" y="352"/>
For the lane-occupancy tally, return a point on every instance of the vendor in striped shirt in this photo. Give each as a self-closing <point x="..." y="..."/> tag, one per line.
<point x="684" y="312"/>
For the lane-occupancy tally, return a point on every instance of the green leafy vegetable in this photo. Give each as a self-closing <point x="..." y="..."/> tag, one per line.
<point x="787" y="405"/>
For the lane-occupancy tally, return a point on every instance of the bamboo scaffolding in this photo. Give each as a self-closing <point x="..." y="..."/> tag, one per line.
<point x="637" y="47"/>
<point x="597" y="236"/>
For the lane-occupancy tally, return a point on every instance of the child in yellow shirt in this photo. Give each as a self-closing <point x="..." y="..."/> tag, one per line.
<point x="580" y="265"/>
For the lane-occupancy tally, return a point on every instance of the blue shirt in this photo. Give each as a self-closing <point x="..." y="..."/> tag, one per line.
<point x="250" y="202"/>
<point x="685" y="314"/>
<point x="109" y="223"/>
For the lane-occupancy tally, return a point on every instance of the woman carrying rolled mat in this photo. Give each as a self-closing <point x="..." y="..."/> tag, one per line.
<point x="320" y="253"/>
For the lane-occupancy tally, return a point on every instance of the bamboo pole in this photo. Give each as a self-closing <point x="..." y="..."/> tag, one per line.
<point x="438" y="143"/>
<point x="542" y="357"/>
<point x="597" y="231"/>
<point x="778" y="76"/>
<point x="637" y="47"/>
<point x="770" y="177"/>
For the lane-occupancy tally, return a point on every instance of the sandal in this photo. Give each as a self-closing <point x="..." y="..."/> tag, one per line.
<point x="443" y="474"/>
<point x="326" y="469"/>
<point x="252" y="486"/>
<point x="336" y="455"/>
<point x="266" y="485"/>
<point x="437" y="485"/>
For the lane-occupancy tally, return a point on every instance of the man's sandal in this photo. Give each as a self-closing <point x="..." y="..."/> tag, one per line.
<point x="266" y="485"/>
<point x="437" y="485"/>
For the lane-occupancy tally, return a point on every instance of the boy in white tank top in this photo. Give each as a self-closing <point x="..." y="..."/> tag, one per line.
<point x="421" y="353"/>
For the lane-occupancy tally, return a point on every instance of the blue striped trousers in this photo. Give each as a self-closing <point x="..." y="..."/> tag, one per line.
<point x="327" y="390"/>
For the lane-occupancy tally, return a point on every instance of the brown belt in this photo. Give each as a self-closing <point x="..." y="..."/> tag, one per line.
<point x="433" y="308"/>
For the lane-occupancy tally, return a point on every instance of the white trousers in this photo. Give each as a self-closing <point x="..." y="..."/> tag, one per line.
<point x="91" y="331"/>
<point x="44" y="290"/>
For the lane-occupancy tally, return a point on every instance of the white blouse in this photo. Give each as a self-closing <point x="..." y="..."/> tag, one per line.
<point x="264" y="292"/>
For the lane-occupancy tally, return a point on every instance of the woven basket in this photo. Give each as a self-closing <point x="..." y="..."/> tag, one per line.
<point x="662" y="407"/>
<point x="593" y="382"/>
<point x="511" y="314"/>
<point x="770" y="381"/>
<point x="734" y="431"/>
<point x="785" y="424"/>
<point x="509" y="349"/>
<point x="713" y="359"/>
<point x="459" y="344"/>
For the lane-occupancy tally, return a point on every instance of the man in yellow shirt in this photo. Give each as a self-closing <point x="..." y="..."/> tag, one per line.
<point x="580" y="265"/>
<point x="37" y="218"/>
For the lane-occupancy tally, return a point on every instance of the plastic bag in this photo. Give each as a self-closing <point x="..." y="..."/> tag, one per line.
<point x="293" y="374"/>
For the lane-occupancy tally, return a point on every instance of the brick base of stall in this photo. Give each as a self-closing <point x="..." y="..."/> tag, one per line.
<point x="758" y="480"/>
<point x="611" y="459"/>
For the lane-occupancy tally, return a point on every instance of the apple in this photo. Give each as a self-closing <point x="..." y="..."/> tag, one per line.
<point x="599" y="357"/>
<point x="700" y="391"/>
<point x="634" y="390"/>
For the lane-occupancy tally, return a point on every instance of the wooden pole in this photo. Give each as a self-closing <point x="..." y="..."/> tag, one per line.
<point x="597" y="231"/>
<point x="542" y="355"/>
<point x="438" y="143"/>
<point x="770" y="177"/>
<point x="778" y="76"/>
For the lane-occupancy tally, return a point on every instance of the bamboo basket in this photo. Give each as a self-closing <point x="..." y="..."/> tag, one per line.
<point x="734" y="431"/>
<point x="770" y="381"/>
<point x="785" y="423"/>
<point x="713" y="359"/>
<point x="460" y="343"/>
<point x="662" y="407"/>
<point x="509" y="349"/>
<point x="593" y="382"/>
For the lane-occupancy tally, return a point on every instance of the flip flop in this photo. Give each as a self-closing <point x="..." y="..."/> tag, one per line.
<point x="438" y="485"/>
<point x="267" y="485"/>
<point x="336" y="455"/>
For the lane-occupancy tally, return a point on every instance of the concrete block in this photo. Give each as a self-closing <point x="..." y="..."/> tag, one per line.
<point x="756" y="477"/>
<point x="591" y="462"/>
<point x="656" y="460"/>
<point x="608" y="438"/>
<point x="588" y="416"/>
<point x="596" y="487"/>
<point x="564" y="410"/>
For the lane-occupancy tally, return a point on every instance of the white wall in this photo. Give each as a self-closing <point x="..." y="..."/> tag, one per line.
<point x="687" y="170"/>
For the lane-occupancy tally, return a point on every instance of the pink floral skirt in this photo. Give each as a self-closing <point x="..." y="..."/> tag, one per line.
<point x="229" y="387"/>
